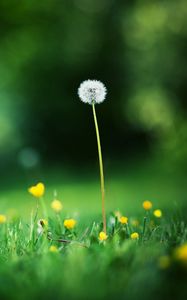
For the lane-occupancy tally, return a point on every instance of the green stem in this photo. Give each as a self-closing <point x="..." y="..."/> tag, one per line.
<point x="144" y="225"/>
<point x="101" y="168"/>
<point x="44" y="208"/>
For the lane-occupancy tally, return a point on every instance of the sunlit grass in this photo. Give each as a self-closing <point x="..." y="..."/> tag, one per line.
<point x="68" y="255"/>
<point x="125" y="190"/>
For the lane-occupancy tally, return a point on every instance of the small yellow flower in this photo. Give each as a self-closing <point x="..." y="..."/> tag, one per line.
<point x="157" y="213"/>
<point x="147" y="205"/>
<point x="2" y="219"/>
<point x="53" y="249"/>
<point x="56" y="205"/>
<point x="38" y="190"/>
<point x="69" y="223"/>
<point x="134" y="236"/>
<point x="181" y="254"/>
<point x="164" y="262"/>
<point x="123" y="220"/>
<point x="103" y="236"/>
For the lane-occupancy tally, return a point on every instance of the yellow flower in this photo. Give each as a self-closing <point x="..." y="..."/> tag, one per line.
<point x="2" y="219"/>
<point x="164" y="262"/>
<point x="181" y="253"/>
<point x="56" y="205"/>
<point x="147" y="205"/>
<point x="134" y="236"/>
<point x="123" y="220"/>
<point x="53" y="249"/>
<point x="69" y="223"/>
<point x="157" y="213"/>
<point x="38" y="190"/>
<point x="102" y="236"/>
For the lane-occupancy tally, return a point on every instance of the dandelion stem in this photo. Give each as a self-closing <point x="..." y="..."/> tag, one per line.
<point x="101" y="168"/>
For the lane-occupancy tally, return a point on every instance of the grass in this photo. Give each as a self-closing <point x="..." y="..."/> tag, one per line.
<point x="87" y="268"/>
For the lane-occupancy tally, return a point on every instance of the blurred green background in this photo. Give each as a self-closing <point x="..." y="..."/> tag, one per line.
<point x="138" y="50"/>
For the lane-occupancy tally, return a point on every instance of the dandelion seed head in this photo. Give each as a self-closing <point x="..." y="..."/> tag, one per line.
<point x="92" y="91"/>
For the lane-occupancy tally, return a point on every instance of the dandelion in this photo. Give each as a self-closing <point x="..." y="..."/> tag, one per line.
<point x="69" y="223"/>
<point x="123" y="220"/>
<point x="53" y="249"/>
<point x="3" y="219"/>
<point x="181" y="254"/>
<point x="157" y="213"/>
<point x="103" y="236"/>
<point x="94" y="92"/>
<point x="56" y="205"/>
<point x="147" y="205"/>
<point x="134" y="236"/>
<point x="38" y="190"/>
<point x="164" y="262"/>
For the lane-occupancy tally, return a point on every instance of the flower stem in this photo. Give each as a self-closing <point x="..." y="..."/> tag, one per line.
<point x="101" y="168"/>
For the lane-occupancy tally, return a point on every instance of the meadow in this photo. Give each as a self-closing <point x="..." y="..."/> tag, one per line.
<point x="44" y="257"/>
<point x="71" y="228"/>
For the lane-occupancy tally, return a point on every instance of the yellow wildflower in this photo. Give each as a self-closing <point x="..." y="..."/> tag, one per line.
<point x="123" y="220"/>
<point x="2" y="219"/>
<point x="56" y="205"/>
<point x="53" y="249"/>
<point x="164" y="262"/>
<point x="69" y="223"/>
<point x="38" y="190"/>
<point x="181" y="253"/>
<point x="157" y="213"/>
<point x="134" y="236"/>
<point x="147" y="205"/>
<point x="102" y="236"/>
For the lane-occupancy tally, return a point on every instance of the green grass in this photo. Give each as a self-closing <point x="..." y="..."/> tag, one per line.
<point x="86" y="268"/>
<point x="126" y="187"/>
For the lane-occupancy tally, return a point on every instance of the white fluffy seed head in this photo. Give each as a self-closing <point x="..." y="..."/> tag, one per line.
<point x="92" y="91"/>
